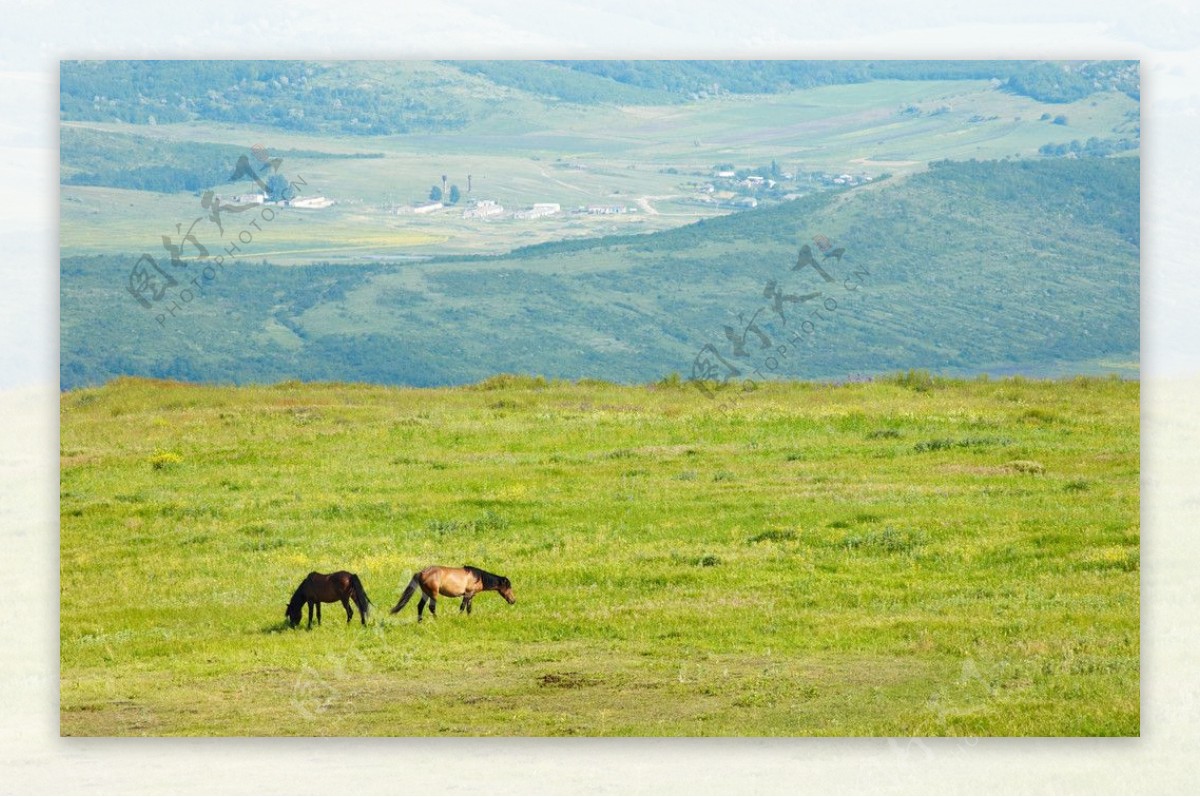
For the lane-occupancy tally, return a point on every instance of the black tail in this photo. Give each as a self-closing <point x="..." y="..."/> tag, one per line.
<point x="407" y="596"/>
<point x="360" y="595"/>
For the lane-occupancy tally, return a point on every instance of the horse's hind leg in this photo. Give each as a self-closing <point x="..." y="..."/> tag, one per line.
<point x="349" y="611"/>
<point x="421" y="607"/>
<point x="433" y="608"/>
<point x="318" y="612"/>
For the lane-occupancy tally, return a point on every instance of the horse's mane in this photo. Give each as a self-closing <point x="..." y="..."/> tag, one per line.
<point x="490" y="580"/>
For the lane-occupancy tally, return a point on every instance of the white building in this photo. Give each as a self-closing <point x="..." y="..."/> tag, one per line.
<point x="429" y="208"/>
<point x="310" y="202"/>
<point x="483" y="209"/>
<point x="538" y="210"/>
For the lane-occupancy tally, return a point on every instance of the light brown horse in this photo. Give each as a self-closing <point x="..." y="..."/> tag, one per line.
<point x="453" y="582"/>
<point x="318" y="588"/>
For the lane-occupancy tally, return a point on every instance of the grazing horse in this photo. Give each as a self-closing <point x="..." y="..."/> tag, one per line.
<point x="318" y="588"/>
<point x="465" y="581"/>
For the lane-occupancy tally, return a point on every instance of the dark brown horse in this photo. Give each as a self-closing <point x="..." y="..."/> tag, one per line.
<point x="453" y="582"/>
<point x="318" y="588"/>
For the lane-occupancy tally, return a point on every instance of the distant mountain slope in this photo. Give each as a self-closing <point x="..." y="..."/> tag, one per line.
<point x="385" y="98"/>
<point x="969" y="267"/>
<point x="351" y="97"/>
<point x="560" y="80"/>
<point x="1048" y="81"/>
<point x="123" y="160"/>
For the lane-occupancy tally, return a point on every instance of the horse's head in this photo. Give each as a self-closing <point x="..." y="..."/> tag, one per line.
<point x="292" y="612"/>
<point x="505" y="590"/>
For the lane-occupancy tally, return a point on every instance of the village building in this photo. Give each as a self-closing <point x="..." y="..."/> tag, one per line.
<point x="538" y="210"/>
<point x="310" y="203"/>
<point x="483" y="209"/>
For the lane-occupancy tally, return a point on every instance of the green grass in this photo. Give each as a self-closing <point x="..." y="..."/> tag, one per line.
<point x="797" y="565"/>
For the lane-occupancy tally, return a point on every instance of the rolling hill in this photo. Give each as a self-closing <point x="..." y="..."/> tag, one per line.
<point x="968" y="267"/>
<point x="368" y="98"/>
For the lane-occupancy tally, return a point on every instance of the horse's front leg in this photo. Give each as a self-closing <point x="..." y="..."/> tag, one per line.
<point x="318" y="612"/>
<point x="310" y="614"/>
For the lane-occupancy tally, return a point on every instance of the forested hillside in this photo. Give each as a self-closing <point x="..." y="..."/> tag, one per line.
<point x="357" y="98"/>
<point x="387" y="98"/>
<point x="143" y="163"/>
<point x="968" y="267"/>
<point x="1042" y="80"/>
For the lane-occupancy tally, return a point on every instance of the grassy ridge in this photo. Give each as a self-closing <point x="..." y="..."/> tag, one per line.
<point x="910" y="556"/>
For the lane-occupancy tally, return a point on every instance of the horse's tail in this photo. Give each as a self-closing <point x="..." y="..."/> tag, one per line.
<point x="360" y="595"/>
<point x="408" y="593"/>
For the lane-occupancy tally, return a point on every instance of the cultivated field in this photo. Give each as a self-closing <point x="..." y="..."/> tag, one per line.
<point x="575" y="155"/>
<point x="909" y="556"/>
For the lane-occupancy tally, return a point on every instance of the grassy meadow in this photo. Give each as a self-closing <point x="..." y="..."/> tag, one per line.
<point x="909" y="556"/>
